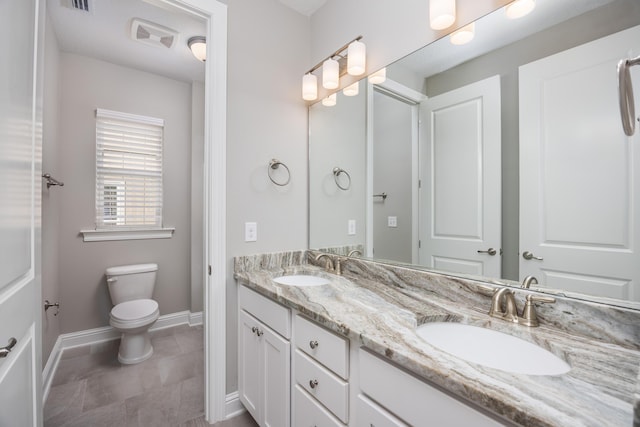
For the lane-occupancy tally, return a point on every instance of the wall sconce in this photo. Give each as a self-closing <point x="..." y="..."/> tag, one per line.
<point x="378" y="77"/>
<point x="442" y="13"/>
<point x="352" y="90"/>
<point x="330" y="100"/>
<point x="350" y="58"/>
<point x="198" y="46"/>
<point x="519" y="8"/>
<point x="464" y="35"/>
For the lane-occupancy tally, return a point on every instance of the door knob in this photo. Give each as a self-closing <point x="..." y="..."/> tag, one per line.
<point x="489" y="251"/>
<point x="4" y="351"/>
<point x="528" y="255"/>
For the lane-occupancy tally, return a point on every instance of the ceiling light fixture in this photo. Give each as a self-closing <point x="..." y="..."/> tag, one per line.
<point x="464" y="35"/>
<point x="350" y="58"/>
<point x="198" y="46"/>
<point x="442" y="14"/>
<point x="519" y="8"/>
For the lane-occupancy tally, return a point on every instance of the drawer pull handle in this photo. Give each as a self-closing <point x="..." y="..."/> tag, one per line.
<point x="313" y="383"/>
<point x="4" y="351"/>
<point x="313" y="344"/>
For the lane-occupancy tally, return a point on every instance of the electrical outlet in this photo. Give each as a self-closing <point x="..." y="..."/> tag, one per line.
<point x="351" y="227"/>
<point x="392" y="221"/>
<point x="250" y="231"/>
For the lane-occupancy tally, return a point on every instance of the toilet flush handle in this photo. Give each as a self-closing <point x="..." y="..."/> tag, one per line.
<point x="112" y="279"/>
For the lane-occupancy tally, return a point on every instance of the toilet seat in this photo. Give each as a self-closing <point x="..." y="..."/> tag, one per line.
<point x="134" y="313"/>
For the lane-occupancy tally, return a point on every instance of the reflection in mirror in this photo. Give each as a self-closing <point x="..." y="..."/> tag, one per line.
<point x="519" y="165"/>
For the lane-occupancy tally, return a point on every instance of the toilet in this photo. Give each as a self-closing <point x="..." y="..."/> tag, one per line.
<point x="131" y="289"/>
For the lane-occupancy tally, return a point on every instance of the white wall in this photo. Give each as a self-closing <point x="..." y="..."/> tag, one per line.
<point x="197" y="196"/>
<point x="267" y="55"/>
<point x="50" y="197"/>
<point x="86" y="84"/>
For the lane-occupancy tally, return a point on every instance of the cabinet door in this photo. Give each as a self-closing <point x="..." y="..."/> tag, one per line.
<point x="249" y="364"/>
<point x="276" y="375"/>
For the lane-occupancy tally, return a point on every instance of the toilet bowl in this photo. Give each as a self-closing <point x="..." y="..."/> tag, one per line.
<point x="131" y="288"/>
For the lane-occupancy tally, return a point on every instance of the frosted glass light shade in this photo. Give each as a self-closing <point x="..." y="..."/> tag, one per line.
<point x="519" y="8"/>
<point x="198" y="46"/>
<point x="464" y="35"/>
<point x="356" y="58"/>
<point x="309" y="87"/>
<point x="330" y="100"/>
<point x="378" y="77"/>
<point x="442" y="13"/>
<point x="352" y="90"/>
<point x="330" y="74"/>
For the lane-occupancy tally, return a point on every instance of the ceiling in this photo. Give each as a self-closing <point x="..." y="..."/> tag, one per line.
<point x="305" y="7"/>
<point x="104" y="33"/>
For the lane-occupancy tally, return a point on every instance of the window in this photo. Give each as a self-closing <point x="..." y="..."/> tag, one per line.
<point x="128" y="171"/>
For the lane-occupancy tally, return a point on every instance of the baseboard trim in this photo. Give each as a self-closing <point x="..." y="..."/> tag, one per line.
<point x="233" y="406"/>
<point x="103" y="334"/>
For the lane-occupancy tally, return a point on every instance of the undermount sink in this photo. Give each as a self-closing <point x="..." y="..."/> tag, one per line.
<point x="301" y="280"/>
<point x="492" y="349"/>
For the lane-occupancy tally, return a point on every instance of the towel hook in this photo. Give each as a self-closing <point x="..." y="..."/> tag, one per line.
<point x="336" y="177"/>
<point x="625" y="95"/>
<point x="275" y="164"/>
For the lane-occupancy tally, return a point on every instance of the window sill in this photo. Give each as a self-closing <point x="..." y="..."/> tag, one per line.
<point x="130" y="234"/>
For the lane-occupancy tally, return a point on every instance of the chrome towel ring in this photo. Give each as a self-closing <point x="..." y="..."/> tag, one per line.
<point x="275" y="164"/>
<point x="625" y="95"/>
<point x="336" y="177"/>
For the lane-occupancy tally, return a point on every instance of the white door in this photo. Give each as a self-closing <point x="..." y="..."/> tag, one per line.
<point x="276" y="375"/>
<point x="20" y="148"/>
<point x="579" y="178"/>
<point x="460" y="216"/>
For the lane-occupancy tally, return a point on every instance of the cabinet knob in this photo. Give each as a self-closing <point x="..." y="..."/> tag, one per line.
<point x="254" y="329"/>
<point x="313" y="344"/>
<point x="313" y="383"/>
<point x="259" y="333"/>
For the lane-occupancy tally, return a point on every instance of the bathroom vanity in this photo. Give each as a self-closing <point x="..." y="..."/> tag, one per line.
<point x="347" y="353"/>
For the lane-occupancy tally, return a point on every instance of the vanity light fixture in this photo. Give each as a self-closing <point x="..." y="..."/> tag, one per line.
<point x="519" y="8"/>
<point x="330" y="100"/>
<point x="330" y="74"/>
<point x="349" y="58"/>
<point x="464" y="35"/>
<point x="352" y="90"/>
<point x="309" y="87"/>
<point x="378" y="77"/>
<point x="198" y="46"/>
<point x="442" y="14"/>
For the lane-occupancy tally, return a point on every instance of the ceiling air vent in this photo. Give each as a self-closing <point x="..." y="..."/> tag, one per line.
<point x="153" y="34"/>
<point x="81" y="5"/>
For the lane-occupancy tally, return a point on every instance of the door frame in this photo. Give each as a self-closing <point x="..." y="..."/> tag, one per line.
<point x="215" y="138"/>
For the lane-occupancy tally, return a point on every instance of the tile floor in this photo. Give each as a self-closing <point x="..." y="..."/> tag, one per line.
<point x="91" y="388"/>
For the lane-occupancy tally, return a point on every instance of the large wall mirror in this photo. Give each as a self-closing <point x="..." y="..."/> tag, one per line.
<point x="501" y="158"/>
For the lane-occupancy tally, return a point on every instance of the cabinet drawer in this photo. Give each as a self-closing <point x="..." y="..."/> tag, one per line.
<point x="278" y="317"/>
<point x="308" y="412"/>
<point x="326" y="347"/>
<point x="399" y="392"/>
<point x="320" y="383"/>
<point x="368" y="414"/>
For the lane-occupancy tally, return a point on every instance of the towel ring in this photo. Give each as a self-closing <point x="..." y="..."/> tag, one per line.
<point x="336" y="174"/>
<point x="625" y="95"/>
<point x="275" y="164"/>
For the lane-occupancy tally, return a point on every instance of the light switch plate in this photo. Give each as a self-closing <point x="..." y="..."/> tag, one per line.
<point x="392" y="221"/>
<point x="351" y="227"/>
<point x="250" y="231"/>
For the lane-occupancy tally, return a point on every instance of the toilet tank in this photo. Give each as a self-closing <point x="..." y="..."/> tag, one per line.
<point x="129" y="282"/>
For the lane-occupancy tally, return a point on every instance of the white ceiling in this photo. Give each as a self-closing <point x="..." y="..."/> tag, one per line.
<point x="103" y="33"/>
<point x="305" y="7"/>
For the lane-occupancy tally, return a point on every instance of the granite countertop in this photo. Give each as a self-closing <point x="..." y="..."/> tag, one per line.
<point x="598" y="391"/>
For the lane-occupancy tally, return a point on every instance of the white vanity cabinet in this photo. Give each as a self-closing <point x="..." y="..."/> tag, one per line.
<point x="264" y="358"/>
<point x="321" y="376"/>
<point x="410" y="399"/>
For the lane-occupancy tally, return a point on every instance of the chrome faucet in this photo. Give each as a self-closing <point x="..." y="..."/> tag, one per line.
<point x="528" y="281"/>
<point x="329" y="264"/>
<point x="354" y="252"/>
<point x="503" y="306"/>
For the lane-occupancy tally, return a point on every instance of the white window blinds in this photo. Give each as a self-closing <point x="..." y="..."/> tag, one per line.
<point x="128" y="170"/>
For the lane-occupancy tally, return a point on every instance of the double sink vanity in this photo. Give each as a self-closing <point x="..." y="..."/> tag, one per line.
<point x="389" y="345"/>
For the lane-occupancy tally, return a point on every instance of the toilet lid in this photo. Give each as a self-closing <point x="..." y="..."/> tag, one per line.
<point x="135" y="309"/>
